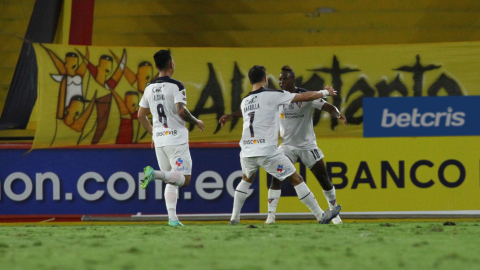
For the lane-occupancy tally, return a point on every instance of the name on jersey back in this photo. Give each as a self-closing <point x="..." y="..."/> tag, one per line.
<point x="159" y="97"/>
<point x="251" y="104"/>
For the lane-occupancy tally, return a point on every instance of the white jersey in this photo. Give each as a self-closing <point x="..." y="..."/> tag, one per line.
<point x="296" y="128"/>
<point x="260" y="121"/>
<point x="161" y="96"/>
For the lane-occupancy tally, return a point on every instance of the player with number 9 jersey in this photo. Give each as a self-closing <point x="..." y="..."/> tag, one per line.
<point x="161" y="96"/>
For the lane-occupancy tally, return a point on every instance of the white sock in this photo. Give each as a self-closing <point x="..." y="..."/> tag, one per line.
<point x="171" y="201"/>
<point x="331" y="197"/>
<point x="306" y="196"/>
<point x="273" y="197"/>
<point x="239" y="199"/>
<point x="171" y="177"/>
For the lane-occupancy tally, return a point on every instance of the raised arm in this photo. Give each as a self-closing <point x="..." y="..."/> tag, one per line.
<point x="313" y="95"/>
<point x="187" y="116"/>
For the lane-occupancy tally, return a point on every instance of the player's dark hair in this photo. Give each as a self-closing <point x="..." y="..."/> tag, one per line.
<point x="162" y="59"/>
<point x="256" y="74"/>
<point x="289" y="69"/>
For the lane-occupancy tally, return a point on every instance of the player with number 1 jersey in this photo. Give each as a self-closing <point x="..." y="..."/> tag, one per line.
<point x="260" y="111"/>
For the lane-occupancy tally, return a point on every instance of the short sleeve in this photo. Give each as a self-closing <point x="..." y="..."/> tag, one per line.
<point x="144" y="101"/>
<point x="318" y="103"/>
<point x="180" y="96"/>
<point x="285" y="98"/>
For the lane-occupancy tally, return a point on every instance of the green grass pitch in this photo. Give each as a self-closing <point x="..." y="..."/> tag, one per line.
<point x="250" y="245"/>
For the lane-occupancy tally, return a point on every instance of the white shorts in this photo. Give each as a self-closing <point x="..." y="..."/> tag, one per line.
<point x="308" y="157"/>
<point x="278" y="165"/>
<point x="175" y="158"/>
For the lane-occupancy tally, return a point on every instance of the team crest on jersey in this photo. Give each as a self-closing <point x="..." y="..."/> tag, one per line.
<point x="333" y="202"/>
<point x="280" y="168"/>
<point x="270" y="200"/>
<point x="179" y="162"/>
<point x="183" y="92"/>
<point x="299" y="104"/>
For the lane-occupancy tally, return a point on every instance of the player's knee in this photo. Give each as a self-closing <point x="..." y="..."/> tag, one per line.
<point x="295" y="179"/>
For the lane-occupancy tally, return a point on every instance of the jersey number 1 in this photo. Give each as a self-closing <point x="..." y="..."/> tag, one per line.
<point x="161" y="115"/>
<point x="252" y="117"/>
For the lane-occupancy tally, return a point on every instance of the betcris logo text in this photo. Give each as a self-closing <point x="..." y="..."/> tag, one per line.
<point x="420" y="116"/>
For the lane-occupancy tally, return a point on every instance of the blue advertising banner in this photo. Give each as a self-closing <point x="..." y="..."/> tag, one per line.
<point x="421" y="116"/>
<point x="107" y="181"/>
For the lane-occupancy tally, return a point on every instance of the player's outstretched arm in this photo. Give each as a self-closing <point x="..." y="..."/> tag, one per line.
<point x="187" y="116"/>
<point x="313" y="95"/>
<point x="229" y="117"/>
<point x="335" y="112"/>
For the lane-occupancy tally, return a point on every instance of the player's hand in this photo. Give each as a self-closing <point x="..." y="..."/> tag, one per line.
<point x="152" y="145"/>
<point x="200" y="125"/>
<point x="343" y="119"/>
<point x="331" y="91"/>
<point x="224" y="119"/>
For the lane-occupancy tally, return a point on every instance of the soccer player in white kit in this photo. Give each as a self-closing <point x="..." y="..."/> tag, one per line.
<point x="260" y="110"/>
<point x="298" y="141"/>
<point x="166" y="99"/>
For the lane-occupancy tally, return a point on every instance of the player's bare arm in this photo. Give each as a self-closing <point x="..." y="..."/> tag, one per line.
<point x="187" y="116"/>
<point x="335" y="112"/>
<point x="142" y="117"/>
<point x="313" y="95"/>
<point x="229" y="117"/>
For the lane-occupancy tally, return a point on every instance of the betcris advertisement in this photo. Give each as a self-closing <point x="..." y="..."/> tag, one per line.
<point x="107" y="181"/>
<point x="421" y="116"/>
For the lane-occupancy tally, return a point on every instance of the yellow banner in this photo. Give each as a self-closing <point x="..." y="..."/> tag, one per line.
<point x="90" y="95"/>
<point x="394" y="174"/>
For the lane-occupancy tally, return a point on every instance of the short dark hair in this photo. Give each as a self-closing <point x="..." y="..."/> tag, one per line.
<point x="257" y="73"/>
<point x="162" y="58"/>
<point x="289" y="69"/>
